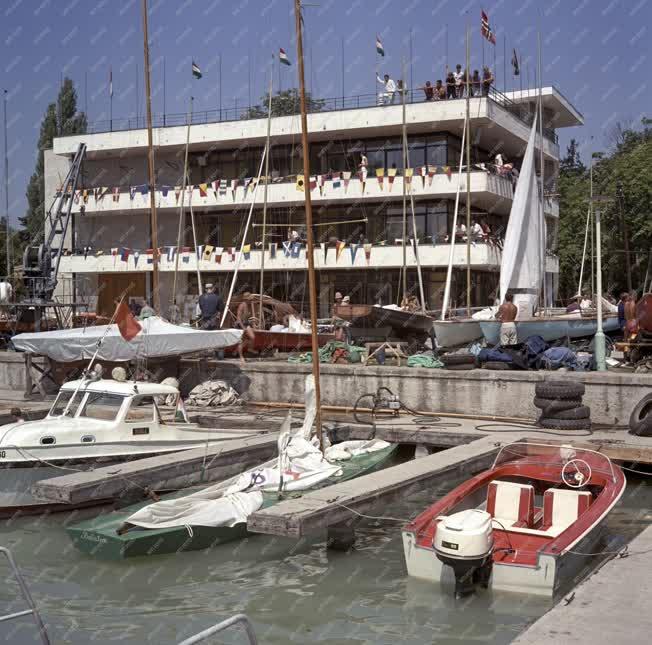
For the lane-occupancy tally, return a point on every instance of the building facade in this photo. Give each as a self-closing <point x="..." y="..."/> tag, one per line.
<point x="359" y="224"/>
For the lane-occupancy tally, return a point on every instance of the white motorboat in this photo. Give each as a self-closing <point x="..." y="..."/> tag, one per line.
<point x="452" y="333"/>
<point x="91" y="422"/>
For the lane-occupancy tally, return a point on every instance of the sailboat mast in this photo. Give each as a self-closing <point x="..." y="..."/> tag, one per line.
<point x="468" y="175"/>
<point x="267" y="146"/>
<point x="404" y="236"/>
<point x="541" y="164"/>
<point x="156" y="300"/>
<point x="309" y="232"/>
<point x="182" y="207"/>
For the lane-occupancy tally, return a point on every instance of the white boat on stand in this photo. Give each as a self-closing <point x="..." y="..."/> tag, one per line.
<point x="453" y="333"/>
<point x="93" y="422"/>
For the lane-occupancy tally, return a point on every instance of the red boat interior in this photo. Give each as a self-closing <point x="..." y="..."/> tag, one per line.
<point x="534" y="511"/>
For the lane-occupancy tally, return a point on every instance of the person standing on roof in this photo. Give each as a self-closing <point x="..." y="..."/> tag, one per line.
<point x="390" y="88"/>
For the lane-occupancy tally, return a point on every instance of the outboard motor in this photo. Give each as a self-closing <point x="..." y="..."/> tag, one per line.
<point x="464" y="541"/>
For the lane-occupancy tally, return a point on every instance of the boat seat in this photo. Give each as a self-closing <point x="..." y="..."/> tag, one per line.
<point x="511" y="504"/>
<point x="562" y="507"/>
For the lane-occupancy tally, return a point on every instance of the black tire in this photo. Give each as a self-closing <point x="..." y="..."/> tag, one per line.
<point x="565" y="424"/>
<point x="457" y="359"/>
<point x="643" y="429"/>
<point x="559" y="390"/>
<point x="580" y="412"/>
<point x="496" y="365"/>
<point x="463" y="366"/>
<point x="556" y="405"/>
<point x="642" y="413"/>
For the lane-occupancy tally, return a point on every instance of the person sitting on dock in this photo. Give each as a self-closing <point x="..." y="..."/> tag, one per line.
<point x="507" y="315"/>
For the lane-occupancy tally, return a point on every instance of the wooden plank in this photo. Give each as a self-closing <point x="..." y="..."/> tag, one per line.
<point x="409" y="434"/>
<point x="170" y="471"/>
<point x="325" y="507"/>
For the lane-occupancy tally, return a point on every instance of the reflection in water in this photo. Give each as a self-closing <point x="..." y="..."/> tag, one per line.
<point x="294" y="591"/>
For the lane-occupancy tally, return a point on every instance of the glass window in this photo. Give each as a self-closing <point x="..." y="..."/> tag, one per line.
<point x="61" y="402"/>
<point x="394" y="159"/>
<point x="141" y="410"/>
<point x="100" y="405"/>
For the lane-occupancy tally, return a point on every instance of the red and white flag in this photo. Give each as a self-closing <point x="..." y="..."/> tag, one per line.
<point x="128" y="326"/>
<point x="485" y="28"/>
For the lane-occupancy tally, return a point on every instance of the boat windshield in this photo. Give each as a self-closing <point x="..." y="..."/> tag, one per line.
<point x="103" y="406"/>
<point x="551" y="453"/>
<point x="62" y="400"/>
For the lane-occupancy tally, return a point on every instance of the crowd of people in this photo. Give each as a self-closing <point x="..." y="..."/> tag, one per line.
<point x="455" y="86"/>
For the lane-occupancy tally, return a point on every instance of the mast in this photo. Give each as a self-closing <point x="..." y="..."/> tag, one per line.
<point x="156" y="300"/>
<point x="8" y="231"/>
<point x="404" y="128"/>
<point x="309" y="232"/>
<point x="541" y="164"/>
<point x="468" y="175"/>
<point x="181" y="207"/>
<point x="267" y="146"/>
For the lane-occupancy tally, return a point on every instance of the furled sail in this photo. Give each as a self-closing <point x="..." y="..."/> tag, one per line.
<point x="521" y="267"/>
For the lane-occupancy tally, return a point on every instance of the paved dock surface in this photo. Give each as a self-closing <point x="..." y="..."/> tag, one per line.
<point x="612" y="607"/>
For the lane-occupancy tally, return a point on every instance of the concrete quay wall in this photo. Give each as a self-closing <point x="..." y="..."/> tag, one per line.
<point x="611" y="396"/>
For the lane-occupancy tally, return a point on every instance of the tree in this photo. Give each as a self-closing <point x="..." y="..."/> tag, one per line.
<point x="572" y="162"/>
<point x="61" y="119"/>
<point x="284" y="103"/>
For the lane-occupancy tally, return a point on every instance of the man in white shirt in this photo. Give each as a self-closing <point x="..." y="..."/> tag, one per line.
<point x="390" y="88"/>
<point x="476" y="232"/>
<point x="458" y="75"/>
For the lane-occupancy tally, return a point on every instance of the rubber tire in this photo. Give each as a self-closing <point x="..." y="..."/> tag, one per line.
<point x="564" y="424"/>
<point x="496" y="365"/>
<point x="556" y="405"/>
<point x="463" y="366"/>
<point x="559" y="390"/>
<point x="457" y="359"/>
<point x="580" y="412"/>
<point x="644" y="428"/>
<point x="641" y="414"/>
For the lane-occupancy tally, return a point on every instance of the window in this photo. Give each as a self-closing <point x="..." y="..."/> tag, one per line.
<point x="61" y="402"/>
<point x="141" y="410"/>
<point x="103" y="406"/>
<point x="48" y="441"/>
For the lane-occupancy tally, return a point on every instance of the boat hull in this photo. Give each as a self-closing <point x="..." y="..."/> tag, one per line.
<point x="549" y="329"/>
<point x="99" y="538"/>
<point x="451" y="333"/>
<point x="404" y="323"/>
<point x="286" y="342"/>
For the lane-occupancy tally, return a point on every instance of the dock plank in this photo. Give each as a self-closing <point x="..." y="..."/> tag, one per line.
<point x="169" y="471"/>
<point x="324" y="507"/>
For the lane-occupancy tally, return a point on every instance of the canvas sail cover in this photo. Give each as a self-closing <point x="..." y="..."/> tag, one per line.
<point x="157" y="338"/>
<point x="521" y="269"/>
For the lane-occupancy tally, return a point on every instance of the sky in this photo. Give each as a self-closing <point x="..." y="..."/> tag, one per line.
<point x="596" y="52"/>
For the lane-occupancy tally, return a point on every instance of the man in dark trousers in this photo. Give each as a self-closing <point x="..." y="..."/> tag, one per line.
<point x="211" y="306"/>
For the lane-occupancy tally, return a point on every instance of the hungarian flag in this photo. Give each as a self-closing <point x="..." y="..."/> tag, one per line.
<point x="379" y="47"/>
<point x="283" y="57"/>
<point x="515" y="65"/>
<point x="180" y="414"/>
<point x="196" y="72"/>
<point x="128" y="326"/>
<point x="485" y="28"/>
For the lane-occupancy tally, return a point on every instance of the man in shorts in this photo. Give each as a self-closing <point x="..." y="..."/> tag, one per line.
<point x="507" y="315"/>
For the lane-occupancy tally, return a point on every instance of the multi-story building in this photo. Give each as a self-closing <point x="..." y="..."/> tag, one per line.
<point x="109" y="246"/>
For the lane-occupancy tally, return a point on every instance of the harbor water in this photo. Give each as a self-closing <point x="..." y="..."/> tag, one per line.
<point x="293" y="591"/>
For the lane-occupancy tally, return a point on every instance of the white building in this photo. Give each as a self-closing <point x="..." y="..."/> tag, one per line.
<point x="112" y="213"/>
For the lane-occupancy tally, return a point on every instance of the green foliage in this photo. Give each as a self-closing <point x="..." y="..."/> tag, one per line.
<point x="284" y="103"/>
<point x="628" y="167"/>
<point x="61" y="119"/>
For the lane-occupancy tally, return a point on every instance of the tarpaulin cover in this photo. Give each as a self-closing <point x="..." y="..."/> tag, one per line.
<point x="157" y="338"/>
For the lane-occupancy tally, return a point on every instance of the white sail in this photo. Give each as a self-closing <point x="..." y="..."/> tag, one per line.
<point x="521" y="266"/>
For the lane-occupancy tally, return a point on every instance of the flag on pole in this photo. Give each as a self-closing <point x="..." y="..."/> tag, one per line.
<point x="110" y="81"/>
<point x="128" y="326"/>
<point x="380" y="50"/>
<point x="283" y="57"/>
<point x="180" y="414"/>
<point x="196" y="72"/>
<point x="485" y="28"/>
<point x="515" y="65"/>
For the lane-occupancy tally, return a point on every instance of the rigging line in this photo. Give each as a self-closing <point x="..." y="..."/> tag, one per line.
<point x="350" y="221"/>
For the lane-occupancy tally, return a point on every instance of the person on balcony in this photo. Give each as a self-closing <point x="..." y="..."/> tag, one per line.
<point x="476" y="83"/>
<point x="487" y="81"/>
<point x="458" y="76"/>
<point x="440" y="91"/>
<point x="390" y="89"/>
<point x="428" y="91"/>
<point x="450" y="86"/>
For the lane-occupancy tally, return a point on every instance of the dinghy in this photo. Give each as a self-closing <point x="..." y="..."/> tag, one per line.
<point x="526" y="525"/>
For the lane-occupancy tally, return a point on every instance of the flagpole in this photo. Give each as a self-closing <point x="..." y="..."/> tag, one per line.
<point x="404" y="128"/>
<point x="542" y="162"/>
<point x="156" y="301"/>
<point x="8" y="232"/>
<point x="219" y="84"/>
<point x="137" y="97"/>
<point x="184" y="183"/>
<point x="309" y="232"/>
<point x="164" y="91"/>
<point x="267" y="146"/>
<point x="504" y="63"/>
<point x="468" y="176"/>
<point x="111" y="99"/>
<point x="411" y="63"/>
<point x="342" y="42"/>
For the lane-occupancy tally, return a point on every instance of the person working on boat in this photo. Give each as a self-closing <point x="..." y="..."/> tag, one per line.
<point x="245" y="318"/>
<point x="507" y="315"/>
<point x="210" y="308"/>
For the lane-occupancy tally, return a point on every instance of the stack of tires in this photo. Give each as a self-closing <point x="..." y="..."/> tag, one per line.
<point x="640" y="421"/>
<point x="458" y="361"/>
<point x="561" y="406"/>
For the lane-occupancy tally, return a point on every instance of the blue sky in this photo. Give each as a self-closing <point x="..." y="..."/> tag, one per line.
<point x="595" y="51"/>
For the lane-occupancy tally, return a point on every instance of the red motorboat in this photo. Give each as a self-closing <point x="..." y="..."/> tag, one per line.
<point x="525" y="525"/>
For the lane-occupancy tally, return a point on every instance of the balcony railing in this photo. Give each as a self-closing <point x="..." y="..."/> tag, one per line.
<point x="359" y="101"/>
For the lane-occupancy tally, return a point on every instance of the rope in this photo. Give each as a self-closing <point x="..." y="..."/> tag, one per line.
<point x="371" y="517"/>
